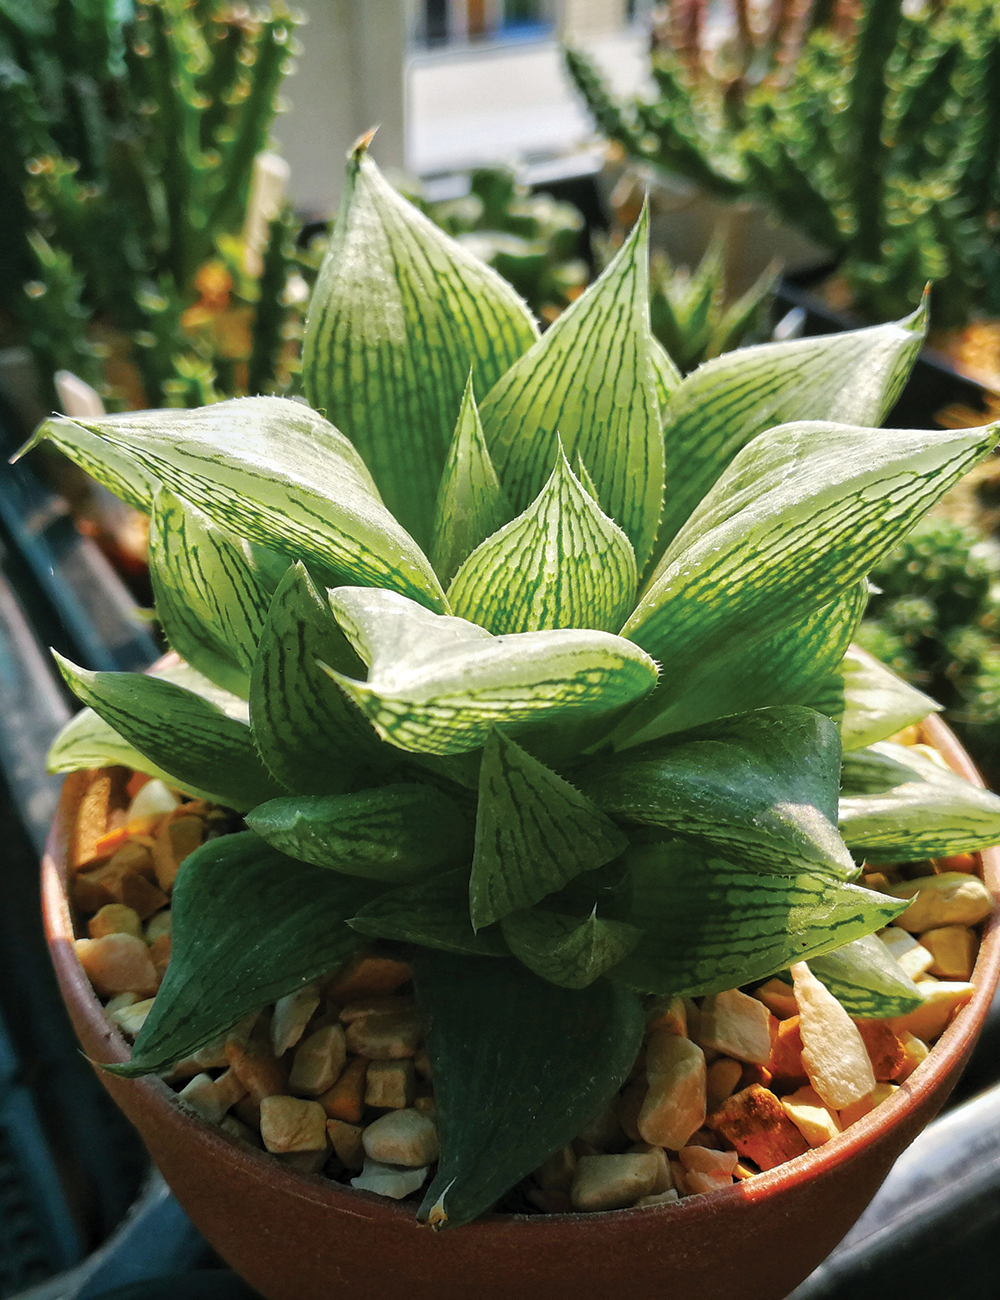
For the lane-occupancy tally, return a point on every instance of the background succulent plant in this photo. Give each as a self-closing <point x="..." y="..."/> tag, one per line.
<point x="877" y="134"/>
<point x="481" y="687"/>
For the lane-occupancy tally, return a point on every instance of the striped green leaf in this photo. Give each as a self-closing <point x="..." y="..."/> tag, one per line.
<point x="88" y="741"/>
<point x="590" y="381"/>
<point x="534" y="833"/>
<point x="399" y="315"/>
<point x="211" y="595"/>
<point x="931" y="815"/>
<point x="853" y="378"/>
<point x="393" y="833"/>
<point x="471" y="504"/>
<point x="519" y="1068"/>
<point x="760" y="788"/>
<point x="570" y="951"/>
<point x="311" y="739"/>
<point x="563" y="563"/>
<point x="249" y="926"/>
<point x="710" y="926"/>
<point x="877" y="703"/>
<point x="433" y="913"/>
<point x="870" y="771"/>
<point x="867" y="980"/>
<point x="273" y="471"/>
<point x="437" y="685"/>
<point x="793" y="524"/>
<point x="182" y="733"/>
<point x="112" y="467"/>
<point x="790" y="667"/>
<point x="666" y="376"/>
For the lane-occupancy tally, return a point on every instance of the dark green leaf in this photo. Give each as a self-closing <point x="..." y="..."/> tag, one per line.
<point x="710" y="926"/>
<point x="867" y="980"/>
<point x="573" y="1050"/>
<point x="433" y="913"/>
<point x="390" y="833"/>
<point x="534" y="833"/>
<point x="570" y="951"/>
<point x="249" y="926"/>
<point x="760" y="788"/>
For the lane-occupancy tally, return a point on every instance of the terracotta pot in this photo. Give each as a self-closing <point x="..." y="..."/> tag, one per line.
<point x="296" y="1237"/>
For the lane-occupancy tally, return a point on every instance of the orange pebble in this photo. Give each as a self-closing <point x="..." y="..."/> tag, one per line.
<point x="346" y="1099"/>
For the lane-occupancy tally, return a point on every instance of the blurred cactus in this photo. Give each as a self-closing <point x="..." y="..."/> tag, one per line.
<point x="873" y="127"/>
<point x="134" y="144"/>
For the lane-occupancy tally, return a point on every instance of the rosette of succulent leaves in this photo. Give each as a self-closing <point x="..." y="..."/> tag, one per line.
<point x="525" y="657"/>
<point x="874" y="128"/>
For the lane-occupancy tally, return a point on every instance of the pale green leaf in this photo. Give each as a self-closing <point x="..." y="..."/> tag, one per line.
<point x="563" y="563"/>
<point x="760" y="788"/>
<point x="394" y="833"/>
<point x="273" y="471"/>
<point x="590" y="381"/>
<point x="666" y="376"/>
<point x="867" y="980"/>
<point x="534" y="833"/>
<point x="710" y="926"/>
<point x="437" y="685"/>
<point x="570" y="951"/>
<point x="853" y="378"/>
<point x="113" y="468"/>
<point x="471" y="504"/>
<point x="311" y="739"/>
<point x="248" y="927"/>
<point x="932" y="814"/>
<point x="211" y="595"/>
<point x="433" y="913"/>
<point x="399" y="315"/>
<point x="564" y="1053"/>
<point x="793" y="524"/>
<point x="182" y="733"/>
<point x="877" y="703"/>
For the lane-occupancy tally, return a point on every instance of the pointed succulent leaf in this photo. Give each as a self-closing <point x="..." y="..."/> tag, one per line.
<point x="534" y="833"/>
<point x="853" y="378"/>
<point x="399" y="314"/>
<point x="433" y="913"/>
<point x="248" y="926"/>
<point x="570" y="951"/>
<point x="931" y="815"/>
<point x="710" y="926"/>
<point x="666" y="376"/>
<point x="563" y="563"/>
<point x="867" y="980"/>
<point x="211" y="596"/>
<point x="795" y="522"/>
<point x="437" y="685"/>
<point x="182" y="733"/>
<point x="760" y="788"/>
<point x="790" y="667"/>
<point x="574" y="1049"/>
<point x="589" y="381"/>
<point x="471" y="504"/>
<point x="310" y="737"/>
<point x="877" y="703"/>
<point x="394" y="833"/>
<point x="112" y="467"/>
<point x="740" y="316"/>
<point x="875" y="770"/>
<point x="273" y="471"/>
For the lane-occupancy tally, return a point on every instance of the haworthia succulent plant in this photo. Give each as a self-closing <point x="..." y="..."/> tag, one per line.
<point x="559" y="789"/>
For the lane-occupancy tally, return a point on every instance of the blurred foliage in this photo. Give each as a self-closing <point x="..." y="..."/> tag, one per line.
<point x="872" y="127"/>
<point x="935" y="621"/>
<point x="133" y="134"/>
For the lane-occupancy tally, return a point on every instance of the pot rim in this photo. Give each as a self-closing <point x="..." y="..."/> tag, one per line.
<point x="947" y="1055"/>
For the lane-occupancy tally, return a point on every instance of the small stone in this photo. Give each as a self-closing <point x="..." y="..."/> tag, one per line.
<point x="114" y="918"/>
<point x="243" y="1132"/>
<point x="404" y="1137"/>
<point x="698" y="1159"/>
<point x="318" y="1062"/>
<point x="953" y="898"/>
<point x="159" y="954"/>
<point x="807" y="1112"/>
<point x="291" y="1015"/>
<point x="159" y="925"/>
<point x="292" y="1124"/>
<point x="755" y="1123"/>
<point x="368" y="974"/>
<point x="346" y="1099"/>
<point x="556" y="1174"/>
<point x="699" y="1183"/>
<point x="736" y="1025"/>
<point x="912" y="957"/>
<point x="669" y="1014"/>
<point x="388" y="1037"/>
<point x="118" y="963"/>
<point x="779" y="998"/>
<point x="675" y="1102"/>
<point x="954" y="949"/>
<point x="425" y="1104"/>
<point x="261" y="1074"/>
<point x="785" y="1065"/>
<point x="346" y="1141"/>
<point x="118" y="1002"/>
<point x="175" y="840"/>
<point x="304" y="1162"/>
<point x="605" y="1129"/>
<point x="130" y="1019"/>
<point x="390" y="1085"/>
<point x="833" y="1051"/>
<point x="388" y="1180"/>
<point x="660" y="1198"/>
<point x="915" y="1052"/>
<point x="91" y="820"/>
<point x="201" y="1095"/>
<point x="613" y="1182"/>
<point x="884" y="1048"/>
<point x="722" y="1080"/>
<point x="380" y="1004"/>
<point x="664" y="1177"/>
<point x="229" y="1088"/>
<point x="881" y="1092"/>
<point x="941" y="1000"/>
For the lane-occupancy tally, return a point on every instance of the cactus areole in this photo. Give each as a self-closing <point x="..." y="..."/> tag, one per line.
<point x="527" y="657"/>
